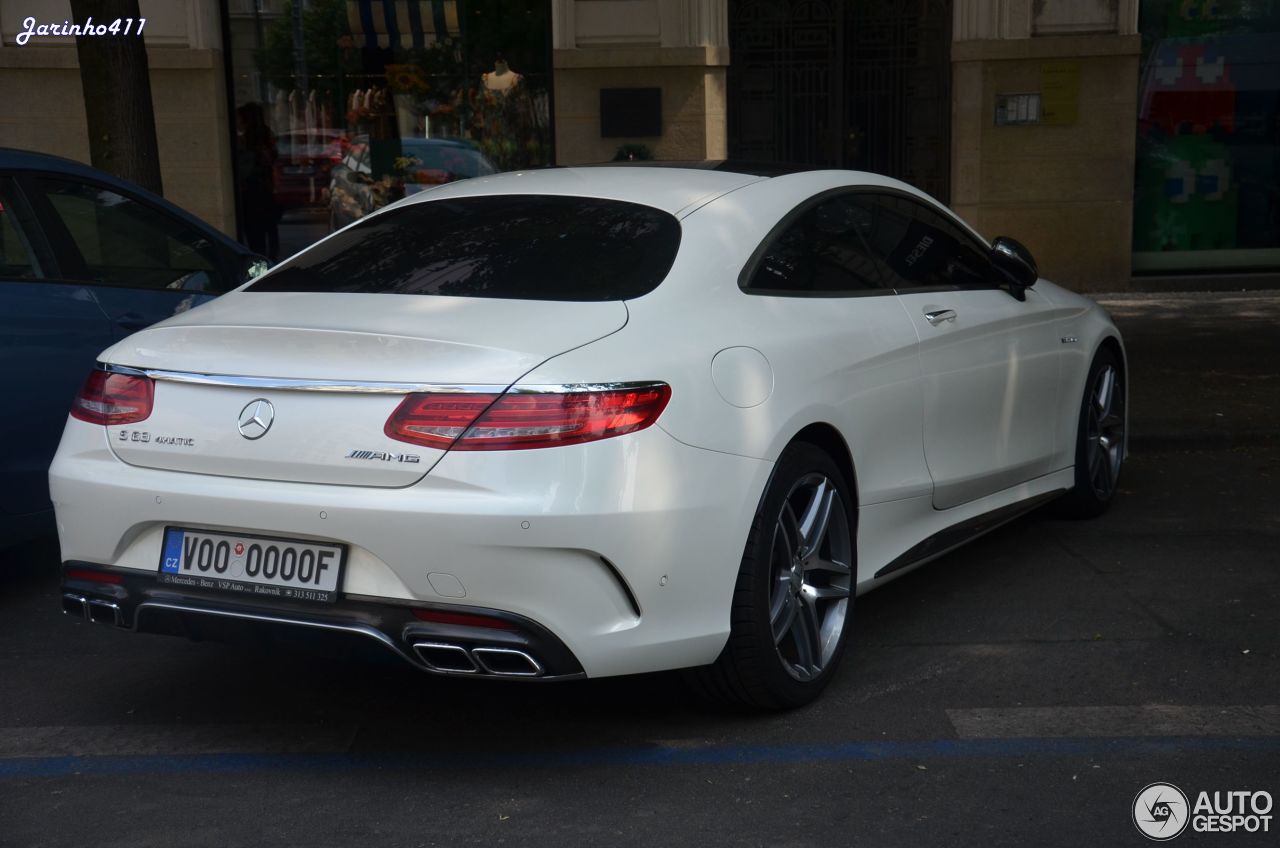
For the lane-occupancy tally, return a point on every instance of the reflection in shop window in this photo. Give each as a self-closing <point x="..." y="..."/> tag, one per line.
<point x="1208" y="152"/>
<point x="363" y="102"/>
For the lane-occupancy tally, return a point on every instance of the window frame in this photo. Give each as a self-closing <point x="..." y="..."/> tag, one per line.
<point x="30" y="233"/>
<point x="753" y="261"/>
<point x="777" y="230"/>
<point x="669" y="220"/>
<point x="63" y="244"/>
<point x="979" y="245"/>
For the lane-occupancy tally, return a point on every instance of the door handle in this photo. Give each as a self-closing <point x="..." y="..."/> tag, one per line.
<point x="937" y="316"/>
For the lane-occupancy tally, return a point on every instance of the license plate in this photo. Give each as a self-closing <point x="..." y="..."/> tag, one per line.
<point x="251" y="565"/>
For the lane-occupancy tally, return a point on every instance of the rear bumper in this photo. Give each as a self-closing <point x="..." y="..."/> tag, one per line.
<point x="523" y="650"/>
<point x="625" y="551"/>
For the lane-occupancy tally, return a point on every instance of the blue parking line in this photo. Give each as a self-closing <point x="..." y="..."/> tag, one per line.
<point x="919" y="751"/>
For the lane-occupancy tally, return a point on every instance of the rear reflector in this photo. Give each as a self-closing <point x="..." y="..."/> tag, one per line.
<point x="466" y="619"/>
<point x="94" y="576"/>
<point x="525" y="418"/>
<point x="109" y="398"/>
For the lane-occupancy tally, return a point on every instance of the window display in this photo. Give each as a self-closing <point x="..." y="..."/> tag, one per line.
<point x="344" y="106"/>
<point x="1208" y="153"/>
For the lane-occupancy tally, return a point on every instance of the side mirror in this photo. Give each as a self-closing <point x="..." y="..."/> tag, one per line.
<point x="253" y="267"/>
<point x="1016" y="264"/>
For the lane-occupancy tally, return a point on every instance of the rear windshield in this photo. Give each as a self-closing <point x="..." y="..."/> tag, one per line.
<point x="527" y="247"/>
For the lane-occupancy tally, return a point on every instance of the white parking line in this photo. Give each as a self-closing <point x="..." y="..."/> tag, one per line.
<point x="180" y="739"/>
<point x="1148" y="720"/>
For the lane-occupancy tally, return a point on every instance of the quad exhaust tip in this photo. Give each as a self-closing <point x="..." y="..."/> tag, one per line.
<point x="449" y="658"/>
<point x="77" y="605"/>
<point x="92" y="609"/>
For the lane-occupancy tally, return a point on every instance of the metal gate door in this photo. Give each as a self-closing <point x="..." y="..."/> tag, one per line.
<point x="860" y="84"/>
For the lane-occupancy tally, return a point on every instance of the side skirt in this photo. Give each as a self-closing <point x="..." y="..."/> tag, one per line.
<point x="966" y="531"/>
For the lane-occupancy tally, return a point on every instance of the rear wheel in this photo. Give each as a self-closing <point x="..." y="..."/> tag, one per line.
<point x="793" y="600"/>
<point x="1100" y="439"/>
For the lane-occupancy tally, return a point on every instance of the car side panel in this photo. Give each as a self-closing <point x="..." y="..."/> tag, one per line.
<point x="1089" y="325"/>
<point x="850" y="362"/>
<point x="53" y="332"/>
<point x="990" y="382"/>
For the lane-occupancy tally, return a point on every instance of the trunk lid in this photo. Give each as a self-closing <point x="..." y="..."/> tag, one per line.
<point x="247" y="348"/>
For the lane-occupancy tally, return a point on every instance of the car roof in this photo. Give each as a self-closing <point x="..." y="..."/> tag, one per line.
<point x="672" y="190"/>
<point x="14" y="160"/>
<point x="747" y="167"/>
<point x="679" y="188"/>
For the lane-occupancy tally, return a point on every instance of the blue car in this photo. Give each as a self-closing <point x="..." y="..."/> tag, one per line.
<point x="85" y="260"/>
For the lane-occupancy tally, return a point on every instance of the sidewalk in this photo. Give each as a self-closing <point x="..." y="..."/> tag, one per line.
<point x="1204" y="368"/>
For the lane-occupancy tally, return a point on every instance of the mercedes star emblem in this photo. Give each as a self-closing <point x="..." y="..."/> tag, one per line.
<point x="256" y="418"/>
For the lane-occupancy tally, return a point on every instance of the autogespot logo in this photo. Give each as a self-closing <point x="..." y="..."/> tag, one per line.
<point x="1160" y="811"/>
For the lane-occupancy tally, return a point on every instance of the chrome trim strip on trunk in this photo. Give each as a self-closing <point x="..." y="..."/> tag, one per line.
<point x="364" y="386"/>
<point x="297" y="385"/>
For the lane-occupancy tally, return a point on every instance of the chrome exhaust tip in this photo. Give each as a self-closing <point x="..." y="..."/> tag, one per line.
<point x="449" y="659"/>
<point x="77" y="605"/>
<point x="104" y="612"/>
<point x="507" y="662"/>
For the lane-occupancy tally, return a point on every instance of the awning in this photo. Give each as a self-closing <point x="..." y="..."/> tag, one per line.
<point x="402" y="23"/>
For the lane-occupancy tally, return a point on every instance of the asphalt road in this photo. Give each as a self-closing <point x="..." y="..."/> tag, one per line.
<point x="1020" y="691"/>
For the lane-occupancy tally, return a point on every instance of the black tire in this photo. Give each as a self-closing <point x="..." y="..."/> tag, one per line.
<point x="1100" y="440"/>
<point x="756" y="671"/>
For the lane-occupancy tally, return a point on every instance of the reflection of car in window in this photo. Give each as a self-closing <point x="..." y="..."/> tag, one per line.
<point x="304" y="161"/>
<point x="375" y="173"/>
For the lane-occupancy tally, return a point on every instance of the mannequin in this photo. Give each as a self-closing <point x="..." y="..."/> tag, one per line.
<point x="501" y="79"/>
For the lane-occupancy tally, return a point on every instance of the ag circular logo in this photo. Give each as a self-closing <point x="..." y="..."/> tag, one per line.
<point x="1160" y="811"/>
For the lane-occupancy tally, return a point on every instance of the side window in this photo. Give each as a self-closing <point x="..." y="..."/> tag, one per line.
<point x="823" y="251"/>
<point x="922" y="249"/>
<point x="124" y="242"/>
<point x="16" y="260"/>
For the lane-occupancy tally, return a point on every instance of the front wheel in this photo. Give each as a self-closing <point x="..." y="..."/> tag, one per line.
<point x="1100" y="439"/>
<point x="793" y="600"/>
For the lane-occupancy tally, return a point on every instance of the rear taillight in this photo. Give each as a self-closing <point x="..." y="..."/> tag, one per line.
<point x="110" y="398"/>
<point x="522" y="419"/>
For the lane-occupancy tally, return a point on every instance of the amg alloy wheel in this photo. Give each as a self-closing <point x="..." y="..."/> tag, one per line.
<point x="1100" y="440"/>
<point x="810" y="558"/>
<point x="794" y="596"/>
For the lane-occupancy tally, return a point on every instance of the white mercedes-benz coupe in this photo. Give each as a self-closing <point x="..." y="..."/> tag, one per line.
<point x="593" y="421"/>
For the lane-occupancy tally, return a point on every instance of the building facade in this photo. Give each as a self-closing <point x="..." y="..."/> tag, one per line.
<point x="1116" y="138"/>
<point x="44" y="102"/>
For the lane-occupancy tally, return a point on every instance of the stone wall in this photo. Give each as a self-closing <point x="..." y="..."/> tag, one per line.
<point x="44" y="103"/>
<point x="1062" y="185"/>
<point x="677" y="46"/>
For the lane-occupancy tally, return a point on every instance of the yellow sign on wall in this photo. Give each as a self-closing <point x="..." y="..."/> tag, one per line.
<point x="1059" y="93"/>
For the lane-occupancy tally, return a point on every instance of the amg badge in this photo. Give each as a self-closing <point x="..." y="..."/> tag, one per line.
<point x="383" y="456"/>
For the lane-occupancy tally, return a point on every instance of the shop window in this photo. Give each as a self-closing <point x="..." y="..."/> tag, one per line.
<point x="1208" y="150"/>
<point x="344" y="106"/>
